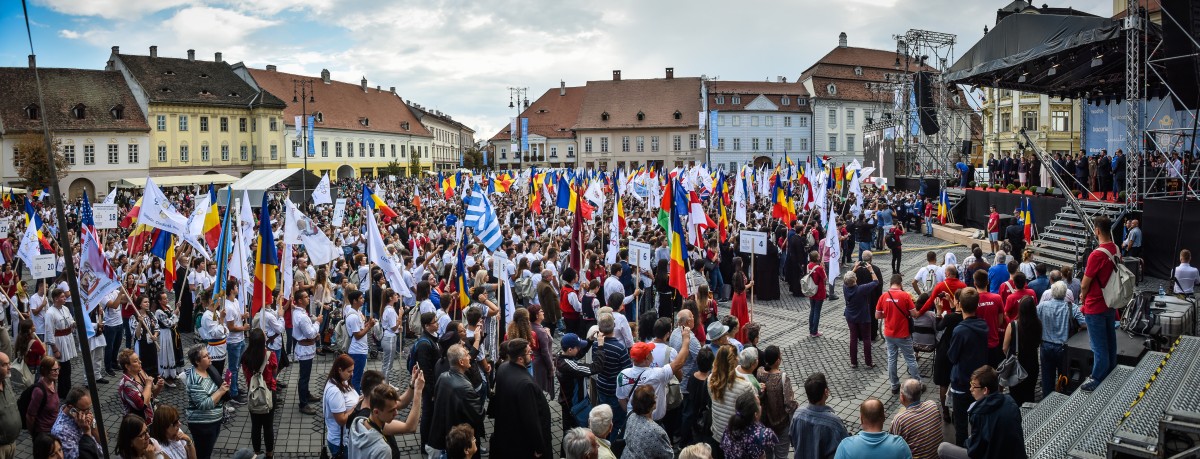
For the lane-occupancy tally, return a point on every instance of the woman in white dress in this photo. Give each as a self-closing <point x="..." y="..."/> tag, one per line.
<point x="166" y="319"/>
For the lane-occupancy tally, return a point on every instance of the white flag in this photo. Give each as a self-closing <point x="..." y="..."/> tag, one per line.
<point x="112" y="197"/>
<point x="298" y="227"/>
<point x="158" y="211"/>
<point x="30" y="247"/>
<point x="835" y="248"/>
<point x="239" y="265"/>
<point x="614" y="239"/>
<point x="285" y="265"/>
<point x="321" y="194"/>
<point x="739" y="198"/>
<point x="97" y="279"/>
<point x="392" y="267"/>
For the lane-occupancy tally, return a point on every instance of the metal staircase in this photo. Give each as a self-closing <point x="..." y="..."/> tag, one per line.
<point x="1066" y="241"/>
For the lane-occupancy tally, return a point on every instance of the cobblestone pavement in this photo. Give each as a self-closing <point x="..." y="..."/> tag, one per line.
<point x="299" y="436"/>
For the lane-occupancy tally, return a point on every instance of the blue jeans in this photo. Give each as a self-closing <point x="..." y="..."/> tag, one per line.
<point x="112" y="335"/>
<point x="716" y="281"/>
<point x="360" y="365"/>
<point x="1102" y="335"/>
<point x="863" y="246"/>
<point x="1053" y="360"/>
<point x="618" y="421"/>
<point x="929" y="226"/>
<point x="333" y="449"/>
<point x="235" y="364"/>
<point x="814" y="315"/>
<point x="904" y="347"/>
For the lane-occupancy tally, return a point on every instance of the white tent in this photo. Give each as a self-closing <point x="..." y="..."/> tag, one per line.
<point x="260" y="181"/>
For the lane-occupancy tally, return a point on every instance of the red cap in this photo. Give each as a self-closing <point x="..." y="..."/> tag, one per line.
<point x="640" y="351"/>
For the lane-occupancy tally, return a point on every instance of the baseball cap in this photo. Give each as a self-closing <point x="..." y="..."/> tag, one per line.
<point x="716" y="330"/>
<point x="571" y="340"/>
<point x="640" y="351"/>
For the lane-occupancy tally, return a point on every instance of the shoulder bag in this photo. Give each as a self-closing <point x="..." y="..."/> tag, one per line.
<point x="1010" y="371"/>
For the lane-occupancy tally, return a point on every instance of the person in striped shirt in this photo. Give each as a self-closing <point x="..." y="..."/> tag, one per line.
<point x="920" y="424"/>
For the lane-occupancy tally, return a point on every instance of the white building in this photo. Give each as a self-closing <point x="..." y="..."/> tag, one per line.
<point x="759" y="123"/>
<point x="451" y="139"/>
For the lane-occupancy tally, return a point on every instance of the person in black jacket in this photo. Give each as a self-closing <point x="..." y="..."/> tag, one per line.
<point x="967" y="352"/>
<point x="455" y="399"/>
<point x="521" y="412"/>
<point x="573" y="374"/>
<point x="995" y="422"/>
<point x="1103" y="174"/>
<point x="427" y="357"/>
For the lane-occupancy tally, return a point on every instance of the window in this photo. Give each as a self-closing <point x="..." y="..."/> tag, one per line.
<point x="737" y="144"/>
<point x="678" y="115"/>
<point x="274" y="124"/>
<point x="832" y="117"/>
<point x="625" y="144"/>
<point x="787" y="121"/>
<point x="183" y="153"/>
<point x="503" y="153"/>
<point x="162" y="153"/>
<point x="68" y="153"/>
<point x="117" y="112"/>
<point x="803" y="121"/>
<point x="641" y="116"/>
<point x="787" y="144"/>
<point x="1060" y="120"/>
<point x="224" y="124"/>
<point x="858" y="71"/>
<point x="1029" y="120"/>
<point x="204" y="152"/>
<point x="114" y="153"/>
<point x="89" y="154"/>
<point x="1005" y="93"/>
<point x="79" y="111"/>
<point x="849" y="118"/>
<point x="362" y="149"/>
<point x="754" y="120"/>
<point x="721" y="100"/>
<point x="183" y="123"/>
<point x="275" y="152"/>
<point x="654" y="143"/>
<point x="721" y="120"/>
<point x="850" y="142"/>
<point x="803" y="144"/>
<point x="604" y="144"/>
<point x="254" y="125"/>
<point x="553" y="152"/>
<point x="243" y="153"/>
<point x="570" y="151"/>
<point x="801" y="101"/>
<point x="676" y="142"/>
<point x="254" y="152"/>
<point x="337" y="149"/>
<point x="161" y="124"/>
<point x="768" y="120"/>
<point x="16" y="157"/>
<point x="832" y="142"/>
<point x="641" y="144"/>
<point x="203" y="124"/>
<point x="737" y="99"/>
<point x="754" y="144"/>
<point x="587" y="145"/>
<point x="786" y="100"/>
<point x="694" y="141"/>
<point x="372" y="148"/>
<point x="720" y="144"/>
<point x="770" y="144"/>
<point x="295" y="148"/>
<point x="325" y="152"/>
<point x="241" y="125"/>
<point x="33" y="112"/>
<point x="132" y="151"/>
<point x="737" y="120"/>
<point x="224" y="152"/>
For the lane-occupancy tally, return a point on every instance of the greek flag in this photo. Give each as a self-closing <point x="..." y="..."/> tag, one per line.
<point x="482" y="217"/>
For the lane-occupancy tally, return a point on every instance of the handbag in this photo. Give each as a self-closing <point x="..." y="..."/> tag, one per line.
<point x="581" y="408"/>
<point x="1010" y="370"/>
<point x="674" y="395"/>
<point x="902" y="312"/>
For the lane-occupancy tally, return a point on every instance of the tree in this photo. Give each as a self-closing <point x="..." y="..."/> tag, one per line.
<point x="33" y="165"/>
<point x="393" y="168"/>
<point x="473" y="159"/>
<point x="414" y="163"/>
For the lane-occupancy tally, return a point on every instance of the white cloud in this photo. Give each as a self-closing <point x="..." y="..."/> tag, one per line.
<point x="69" y="34"/>
<point x="216" y="27"/>
<point x="112" y="9"/>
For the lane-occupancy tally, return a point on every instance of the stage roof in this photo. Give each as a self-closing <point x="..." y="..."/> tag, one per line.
<point x="1086" y="54"/>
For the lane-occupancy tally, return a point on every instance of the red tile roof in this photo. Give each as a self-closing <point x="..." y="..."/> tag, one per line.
<point x="98" y="90"/>
<point x="344" y="105"/>
<point x="657" y="99"/>
<point x="553" y="115"/>
<point x="750" y="90"/>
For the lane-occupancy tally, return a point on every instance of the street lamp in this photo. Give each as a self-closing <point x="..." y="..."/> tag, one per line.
<point x="306" y="92"/>
<point x="518" y="98"/>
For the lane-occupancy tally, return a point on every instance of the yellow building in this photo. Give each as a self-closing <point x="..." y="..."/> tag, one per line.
<point x="203" y="118"/>
<point x="1051" y="123"/>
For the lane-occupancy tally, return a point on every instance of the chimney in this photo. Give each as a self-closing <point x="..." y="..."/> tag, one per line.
<point x="116" y="49"/>
<point x="325" y="76"/>
<point x="562" y="88"/>
<point x="670" y="73"/>
<point x="364" y="84"/>
<point x="154" y="51"/>
<point x="616" y="75"/>
<point x="271" y="67"/>
<point x="393" y="90"/>
<point x="842" y="40"/>
<point x="378" y="87"/>
<point x="32" y="61"/>
<point x="191" y="54"/>
<point x="217" y="57"/>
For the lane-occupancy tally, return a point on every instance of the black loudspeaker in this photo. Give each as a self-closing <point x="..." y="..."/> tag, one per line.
<point x="1183" y="72"/>
<point x="1057" y="192"/>
<point x="1039" y="191"/>
<point x="925" y="105"/>
<point x="966" y="148"/>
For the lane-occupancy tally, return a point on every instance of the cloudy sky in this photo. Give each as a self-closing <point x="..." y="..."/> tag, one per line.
<point x="461" y="56"/>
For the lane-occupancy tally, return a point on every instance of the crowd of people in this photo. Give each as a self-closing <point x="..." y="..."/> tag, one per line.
<point x="639" y="367"/>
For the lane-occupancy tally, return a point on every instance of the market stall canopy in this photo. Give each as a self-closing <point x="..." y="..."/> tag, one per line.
<point x="260" y="181"/>
<point x="178" y="180"/>
<point x="1067" y="56"/>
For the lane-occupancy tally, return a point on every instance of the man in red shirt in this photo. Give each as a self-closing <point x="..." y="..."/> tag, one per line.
<point x="993" y="228"/>
<point x="1099" y="317"/>
<point x="991" y="310"/>
<point x="1019" y="291"/>
<point x="928" y="218"/>
<point x="941" y="293"/>
<point x="895" y="307"/>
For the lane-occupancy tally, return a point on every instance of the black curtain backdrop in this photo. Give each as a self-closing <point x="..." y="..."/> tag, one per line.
<point x="1161" y="227"/>
<point x="933" y="187"/>
<point x="973" y="211"/>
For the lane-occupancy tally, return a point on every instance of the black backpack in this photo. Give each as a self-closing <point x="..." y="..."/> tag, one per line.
<point x="586" y="311"/>
<point x="24" y="400"/>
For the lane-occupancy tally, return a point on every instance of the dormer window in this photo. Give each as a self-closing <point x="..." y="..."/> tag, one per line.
<point x="165" y="89"/>
<point x="404" y="125"/>
<point x="204" y="92"/>
<point x="203" y="75"/>
<point x="321" y="119"/>
<point x="33" y="112"/>
<point x="117" y="112"/>
<point x="169" y="72"/>
<point x="832" y="88"/>
<point x="364" y="121"/>
<point x="786" y="100"/>
<point x="678" y="115"/>
<point x="641" y="116"/>
<point x="721" y="100"/>
<point x="858" y="71"/>
<point x="736" y="99"/>
<point x="604" y="116"/>
<point x="234" y="94"/>
<point x="79" y="111"/>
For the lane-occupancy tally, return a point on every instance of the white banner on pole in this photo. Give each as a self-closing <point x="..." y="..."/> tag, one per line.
<point x="43" y="266"/>
<point x="754" y="242"/>
<point x="105" y="215"/>
<point x="640" y="253"/>
<point x="339" y="212"/>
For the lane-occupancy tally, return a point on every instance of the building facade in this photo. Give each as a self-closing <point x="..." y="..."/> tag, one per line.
<point x="203" y="117"/>
<point x="644" y="122"/>
<point x="451" y="139"/>
<point x="94" y="118"/>
<point x="1052" y="124"/>
<point x="552" y="141"/>
<point x="758" y="122"/>
<point x="357" y="131"/>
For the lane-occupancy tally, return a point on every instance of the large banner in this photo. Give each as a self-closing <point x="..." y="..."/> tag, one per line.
<point x="1106" y="125"/>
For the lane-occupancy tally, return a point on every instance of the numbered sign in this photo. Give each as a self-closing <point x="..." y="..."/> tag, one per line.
<point x="43" y="266"/>
<point x="754" y="242"/>
<point x="105" y="215"/>
<point x="339" y="212"/>
<point x="5" y="227"/>
<point x="640" y="254"/>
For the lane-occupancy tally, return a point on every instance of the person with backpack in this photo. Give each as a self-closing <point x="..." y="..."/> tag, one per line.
<point x="39" y="402"/>
<point x="816" y="273"/>
<point x="929" y="276"/>
<point x="1098" y="313"/>
<point x="778" y="400"/>
<point x="891" y="238"/>
<point x="260" y="366"/>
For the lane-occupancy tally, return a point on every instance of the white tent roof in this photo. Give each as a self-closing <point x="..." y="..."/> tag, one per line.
<point x="258" y="182"/>
<point x="178" y="180"/>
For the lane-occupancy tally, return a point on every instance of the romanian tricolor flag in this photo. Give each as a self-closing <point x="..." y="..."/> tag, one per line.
<point x="212" y="220"/>
<point x="164" y="248"/>
<point x="266" y="261"/>
<point x="783" y="208"/>
<point x="416" y="202"/>
<point x="535" y="193"/>
<point x="373" y="201"/>
<point x="132" y="216"/>
<point x="677" y="275"/>
<point x="1028" y="218"/>
<point x="448" y="184"/>
<point x="943" y="209"/>
<point x="7" y="199"/>
<point x="503" y="183"/>
<point x="722" y="209"/>
<point x="567" y="197"/>
<point x="32" y="218"/>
